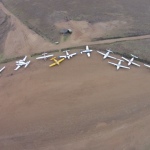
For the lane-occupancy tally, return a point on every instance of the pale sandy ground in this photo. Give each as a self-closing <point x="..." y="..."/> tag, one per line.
<point x="83" y="104"/>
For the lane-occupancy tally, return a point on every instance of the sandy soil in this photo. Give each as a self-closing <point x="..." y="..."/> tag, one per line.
<point x="82" y="104"/>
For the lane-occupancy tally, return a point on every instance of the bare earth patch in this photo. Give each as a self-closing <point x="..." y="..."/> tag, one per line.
<point x="20" y="40"/>
<point x="83" y="104"/>
<point x="85" y="32"/>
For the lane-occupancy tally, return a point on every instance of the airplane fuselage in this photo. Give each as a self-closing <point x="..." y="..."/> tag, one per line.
<point x="2" y="69"/>
<point x="130" y="62"/>
<point x="56" y="62"/>
<point x="118" y="65"/>
<point x="88" y="52"/>
<point x="21" y="63"/>
<point x="106" y="55"/>
<point x="67" y="55"/>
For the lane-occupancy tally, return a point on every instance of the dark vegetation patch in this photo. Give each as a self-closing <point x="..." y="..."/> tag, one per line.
<point x="40" y="15"/>
<point x="5" y="27"/>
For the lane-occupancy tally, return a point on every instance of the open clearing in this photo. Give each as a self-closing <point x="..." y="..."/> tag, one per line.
<point x="83" y="104"/>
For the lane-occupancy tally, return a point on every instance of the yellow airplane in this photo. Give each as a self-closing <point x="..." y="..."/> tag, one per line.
<point x="56" y="62"/>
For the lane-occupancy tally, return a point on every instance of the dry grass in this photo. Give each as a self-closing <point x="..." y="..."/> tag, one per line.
<point x="40" y="15"/>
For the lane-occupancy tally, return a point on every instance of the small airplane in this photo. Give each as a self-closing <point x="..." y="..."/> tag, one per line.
<point x="131" y="60"/>
<point x="68" y="56"/>
<point x="106" y="54"/>
<point x="119" y="64"/>
<point x="87" y="51"/>
<point x="22" y="60"/>
<point x="56" y="62"/>
<point x="2" y="69"/>
<point x="44" y="56"/>
<point x="147" y="65"/>
<point x="21" y="63"/>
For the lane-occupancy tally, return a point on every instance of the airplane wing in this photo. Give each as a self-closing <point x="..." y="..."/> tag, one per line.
<point x="100" y="53"/>
<point x="24" y="59"/>
<point x="27" y="63"/>
<point x="124" y="67"/>
<point x="73" y="54"/>
<point x="17" y="67"/>
<point x="125" y="59"/>
<point x="61" y="60"/>
<point x="111" y="57"/>
<point x="83" y="51"/>
<point x="135" y="64"/>
<point x="2" y="69"/>
<point x="42" y="57"/>
<point x="147" y="65"/>
<point x="113" y="63"/>
<point x="52" y="64"/>
<point x="62" y="56"/>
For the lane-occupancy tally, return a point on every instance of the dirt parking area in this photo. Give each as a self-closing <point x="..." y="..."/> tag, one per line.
<point x="82" y="104"/>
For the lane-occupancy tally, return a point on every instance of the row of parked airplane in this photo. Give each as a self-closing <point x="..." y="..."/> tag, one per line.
<point x="88" y="51"/>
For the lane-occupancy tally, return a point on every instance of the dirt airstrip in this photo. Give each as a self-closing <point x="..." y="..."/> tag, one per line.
<point x="82" y="104"/>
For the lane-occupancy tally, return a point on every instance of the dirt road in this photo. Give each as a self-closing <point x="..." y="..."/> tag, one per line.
<point x="72" y="44"/>
<point x="82" y="104"/>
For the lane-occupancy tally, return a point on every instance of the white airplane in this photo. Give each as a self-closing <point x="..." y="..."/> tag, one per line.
<point x="44" y="56"/>
<point x="147" y="65"/>
<point x="106" y="54"/>
<point x="21" y="63"/>
<point x="119" y="64"/>
<point x="2" y="69"/>
<point x="87" y="51"/>
<point x="22" y="60"/>
<point x="25" y="64"/>
<point x="131" y="60"/>
<point x="68" y="56"/>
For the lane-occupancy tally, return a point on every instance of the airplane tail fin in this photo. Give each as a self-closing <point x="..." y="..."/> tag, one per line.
<point x="44" y="54"/>
<point x="120" y="60"/>
<point x="53" y="58"/>
<point x="108" y="50"/>
<point x="66" y="50"/>
<point x="2" y="69"/>
<point x="134" y="56"/>
<point x="88" y="54"/>
<point x="24" y="59"/>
